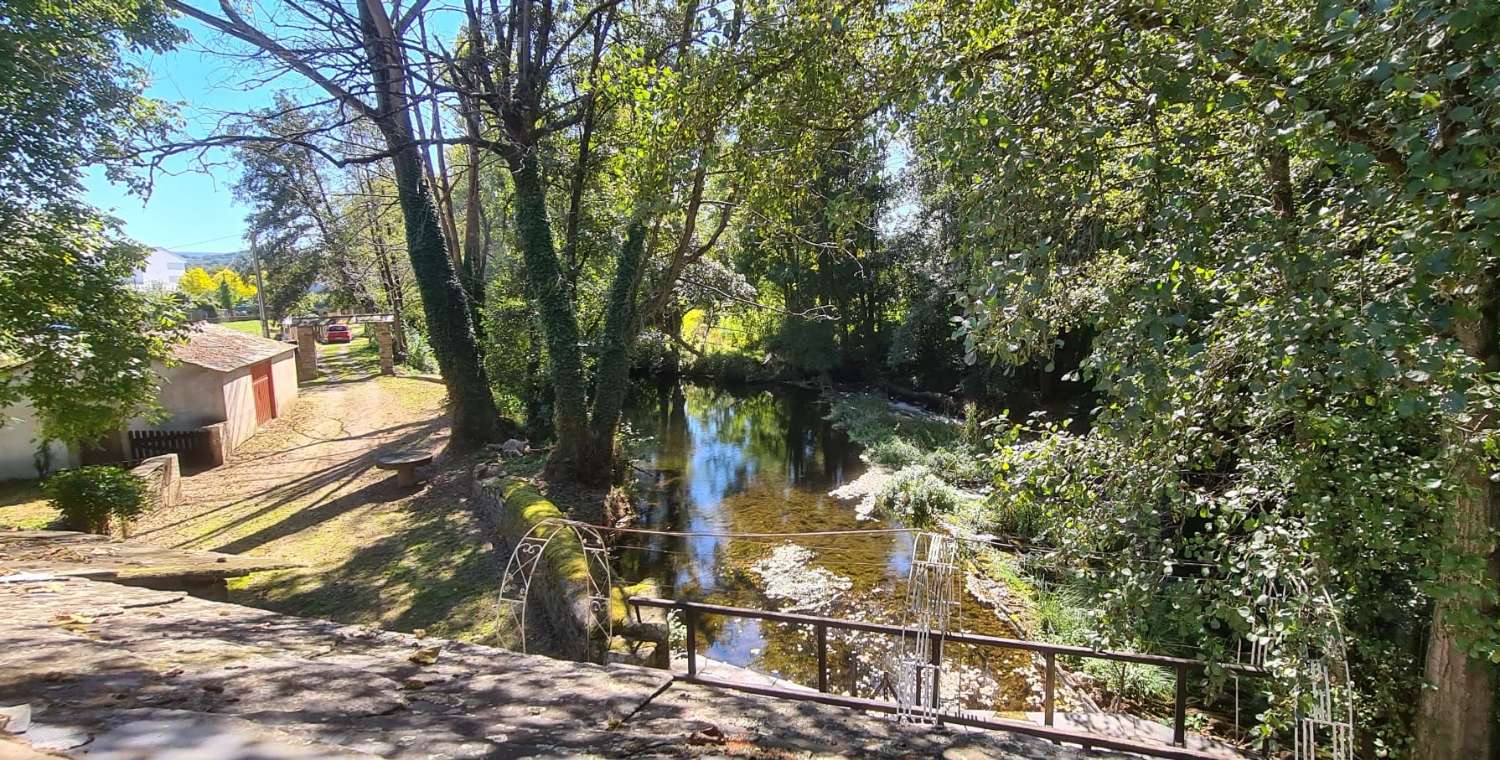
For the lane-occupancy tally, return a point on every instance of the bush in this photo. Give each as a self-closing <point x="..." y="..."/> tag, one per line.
<point x="956" y="465"/>
<point x="90" y="498"/>
<point x="729" y="367"/>
<point x="917" y="494"/>
<point x="419" y="355"/>
<point x="894" y="453"/>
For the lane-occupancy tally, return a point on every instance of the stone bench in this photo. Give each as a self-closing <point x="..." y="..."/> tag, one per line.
<point x="405" y="463"/>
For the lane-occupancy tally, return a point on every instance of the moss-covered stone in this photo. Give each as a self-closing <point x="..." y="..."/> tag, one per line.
<point x="558" y="613"/>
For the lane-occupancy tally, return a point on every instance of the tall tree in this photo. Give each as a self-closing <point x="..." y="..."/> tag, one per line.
<point x="370" y="80"/>
<point x="69" y="100"/>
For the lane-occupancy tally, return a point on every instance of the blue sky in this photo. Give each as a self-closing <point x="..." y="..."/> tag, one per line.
<point x="190" y="208"/>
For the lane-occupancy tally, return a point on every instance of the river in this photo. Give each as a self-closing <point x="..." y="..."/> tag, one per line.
<point x="714" y="461"/>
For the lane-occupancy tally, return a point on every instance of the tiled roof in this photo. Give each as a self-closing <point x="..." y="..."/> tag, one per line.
<point x="221" y="349"/>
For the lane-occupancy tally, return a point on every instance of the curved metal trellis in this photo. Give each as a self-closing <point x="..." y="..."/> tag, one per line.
<point x="914" y="670"/>
<point x="515" y="585"/>
<point x="1326" y="730"/>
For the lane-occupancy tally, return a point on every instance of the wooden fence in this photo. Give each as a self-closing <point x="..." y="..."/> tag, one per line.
<point x="192" y="447"/>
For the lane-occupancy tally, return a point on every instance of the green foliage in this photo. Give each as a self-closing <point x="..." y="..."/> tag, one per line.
<point x="515" y="361"/>
<point x="1279" y="225"/>
<point x="893" y="452"/>
<point x="919" y="496"/>
<point x="418" y="354"/>
<point x="80" y="343"/>
<point x="69" y="100"/>
<point x="91" y="499"/>
<point x="870" y="419"/>
<point x="730" y="367"/>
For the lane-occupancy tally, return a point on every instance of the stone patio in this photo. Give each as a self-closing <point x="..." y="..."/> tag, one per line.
<point x="114" y="672"/>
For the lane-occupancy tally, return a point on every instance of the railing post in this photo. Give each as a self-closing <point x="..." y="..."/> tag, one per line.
<point x="691" y="614"/>
<point x="822" y="630"/>
<point x="1047" y="687"/>
<point x="1179" y="709"/>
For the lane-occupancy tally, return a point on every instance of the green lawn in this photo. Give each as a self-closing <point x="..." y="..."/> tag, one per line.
<point x="247" y="326"/>
<point x="23" y="506"/>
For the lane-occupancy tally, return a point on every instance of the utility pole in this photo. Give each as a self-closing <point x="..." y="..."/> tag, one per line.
<point x="260" y="293"/>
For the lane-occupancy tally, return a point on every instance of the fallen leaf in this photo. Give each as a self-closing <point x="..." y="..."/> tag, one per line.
<point x="425" y="655"/>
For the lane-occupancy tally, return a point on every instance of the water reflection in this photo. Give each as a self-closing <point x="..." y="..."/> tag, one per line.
<point x="762" y="461"/>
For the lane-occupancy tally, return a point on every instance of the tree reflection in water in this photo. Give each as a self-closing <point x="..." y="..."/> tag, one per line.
<point x="763" y="461"/>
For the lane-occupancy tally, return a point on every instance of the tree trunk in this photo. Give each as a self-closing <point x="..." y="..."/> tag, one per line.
<point x="559" y="323"/>
<point x="611" y="379"/>
<point x="446" y="307"/>
<point x="1456" y="712"/>
<point x="443" y="300"/>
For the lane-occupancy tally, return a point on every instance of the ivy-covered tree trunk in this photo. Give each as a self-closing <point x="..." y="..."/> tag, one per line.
<point x="1456" y="717"/>
<point x="444" y="302"/>
<point x="611" y="379"/>
<point x="559" y="323"/>
<point x="450" y="331"/>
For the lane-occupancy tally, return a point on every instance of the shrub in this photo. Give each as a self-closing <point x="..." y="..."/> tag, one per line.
<point x="894" y="453"/>
<point x="729" y="367"/>
<point x="956" y="465"/>
<point x="917" y="494"/>
<point x="419" y="355"/>
<point x="90" y="498"/>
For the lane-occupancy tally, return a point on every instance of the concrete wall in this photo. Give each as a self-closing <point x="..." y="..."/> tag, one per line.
<point x="284" y="380"/>
<point x="18" y="445"/>
<point x="190" y="395"/>
<point x="239" y="406"/>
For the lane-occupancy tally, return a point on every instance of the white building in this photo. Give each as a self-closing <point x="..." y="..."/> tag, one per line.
<point x="160" y="271"/>
<point x="220" y="375"/>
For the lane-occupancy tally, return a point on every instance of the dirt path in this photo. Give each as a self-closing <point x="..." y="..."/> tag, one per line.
<point x="305" y="489"/>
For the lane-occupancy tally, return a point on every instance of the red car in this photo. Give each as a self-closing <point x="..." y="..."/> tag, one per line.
<point x="337" y="334"/>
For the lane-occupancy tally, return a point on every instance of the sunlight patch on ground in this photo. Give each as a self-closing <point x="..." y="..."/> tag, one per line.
<point x="23" y="507"/>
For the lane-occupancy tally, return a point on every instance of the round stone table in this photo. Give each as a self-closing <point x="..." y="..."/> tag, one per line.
<point x="405" y="463"/>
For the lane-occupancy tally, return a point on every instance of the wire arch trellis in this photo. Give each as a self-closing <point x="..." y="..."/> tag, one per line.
<point x="515" y="584"/>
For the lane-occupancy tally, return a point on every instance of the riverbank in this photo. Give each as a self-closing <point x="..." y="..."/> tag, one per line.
<point x="929" y="471"/>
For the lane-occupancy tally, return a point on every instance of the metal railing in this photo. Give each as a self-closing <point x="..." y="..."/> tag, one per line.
<point x="1050" y="652"/>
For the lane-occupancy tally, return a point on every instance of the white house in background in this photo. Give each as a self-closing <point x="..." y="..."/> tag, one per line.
<point x="160" y="271"/>
<point x="19" y="452"/>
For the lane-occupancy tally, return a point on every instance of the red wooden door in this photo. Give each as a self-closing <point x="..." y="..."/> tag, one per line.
<point x="265" y="395"/>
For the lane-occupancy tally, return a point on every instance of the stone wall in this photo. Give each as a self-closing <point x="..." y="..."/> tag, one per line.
<point x="163" y="478"/>
<point x="219" y="444"/>
<point x="558" y="614"/>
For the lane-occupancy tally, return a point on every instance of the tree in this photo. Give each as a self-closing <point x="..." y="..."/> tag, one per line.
<point x="377" y="88"/>
<point x="232" y="287"/>
<point x="76" y="341"/>
<point x="1279" y="224"/>
<point x="196" y="282"/>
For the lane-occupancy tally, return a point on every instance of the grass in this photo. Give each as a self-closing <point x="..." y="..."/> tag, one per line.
<point x="895" y="439"/>
<point x="304" y="490"/>
<point x="246" y="326"/>
<point x="23" y="507"/>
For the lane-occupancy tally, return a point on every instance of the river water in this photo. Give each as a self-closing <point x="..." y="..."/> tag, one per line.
<point x="715" y="461"/>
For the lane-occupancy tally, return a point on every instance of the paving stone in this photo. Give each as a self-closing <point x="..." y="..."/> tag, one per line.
<point x="172" y="677"/>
